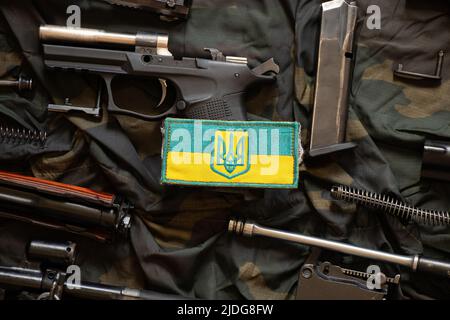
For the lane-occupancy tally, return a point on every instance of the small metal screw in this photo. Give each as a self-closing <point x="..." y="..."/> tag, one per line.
<point x="126" y="222"/>
<point x="181" y="105"/>
<point x="307" y="273"/>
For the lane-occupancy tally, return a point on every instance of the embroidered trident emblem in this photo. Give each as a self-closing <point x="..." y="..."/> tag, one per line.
<point x="231" y="154"/>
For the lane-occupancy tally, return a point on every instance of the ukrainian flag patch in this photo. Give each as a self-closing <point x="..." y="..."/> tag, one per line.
<point x="231" y="153"/>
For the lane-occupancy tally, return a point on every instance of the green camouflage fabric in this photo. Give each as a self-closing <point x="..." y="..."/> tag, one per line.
<point x="178" y="241"/>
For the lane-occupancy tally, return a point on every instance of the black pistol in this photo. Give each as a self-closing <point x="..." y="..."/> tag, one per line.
<point x="204" y="88"/>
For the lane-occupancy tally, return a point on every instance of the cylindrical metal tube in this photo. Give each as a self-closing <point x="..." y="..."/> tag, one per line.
<point x="12" y="199"/>
<point x="251" y="229"/>
<point x="23" y="278"/>
<point x="415" y="263"/>
<point x="83" y="35"/>
<point x="440" y="268"/>
<point x="60" y="253"/>
<point x="50" y="33"/>
<point x="336" y="246"/>
<point x="8" y="83"/>
<point x="19" y="84"/>
<point x="34" y="279"/>
<point x="97" y="291"/>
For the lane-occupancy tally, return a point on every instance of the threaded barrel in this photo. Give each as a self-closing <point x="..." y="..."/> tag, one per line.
<point x="390" y="205"/>
<point x="50" y="33"/>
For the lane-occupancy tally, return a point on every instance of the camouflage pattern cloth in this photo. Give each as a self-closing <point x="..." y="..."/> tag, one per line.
<point x="178" y="242"/>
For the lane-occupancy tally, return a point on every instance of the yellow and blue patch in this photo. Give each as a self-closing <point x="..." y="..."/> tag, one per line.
<point x="231" y="153"/>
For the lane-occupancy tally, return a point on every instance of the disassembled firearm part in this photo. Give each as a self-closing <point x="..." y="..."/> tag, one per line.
<point x="53" y="252"/>
<point x="51" y="277"/>
<point x="68" y="107"/>
<point x="390" y="205"/>
<point x="151" y="43"/>
<point x="63" y="207"/>
<point x="170" y="10"/>
<point x="400" y="72"/>
<point x="333" y="79"/>
<point x="204" y="88"/>
<point x="18" y="136"/>
<point x="436" y="160"/>
<point x="21" y="84"/>
<point x="325" y="281"/>
<point x="415" y="263"/>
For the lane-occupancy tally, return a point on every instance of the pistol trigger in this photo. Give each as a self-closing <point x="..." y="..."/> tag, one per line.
<point x="265" y="67"/>
<point x="163" y="84"/>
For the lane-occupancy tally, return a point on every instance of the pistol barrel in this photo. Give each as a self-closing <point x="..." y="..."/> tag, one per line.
<point x="51" y="33"/>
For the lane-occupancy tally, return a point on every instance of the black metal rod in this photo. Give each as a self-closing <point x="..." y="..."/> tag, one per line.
<point x="15" y="200"/>
<point x="35" y="279"/>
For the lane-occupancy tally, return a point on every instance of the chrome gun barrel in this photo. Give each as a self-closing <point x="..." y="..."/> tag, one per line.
<point x="415" y="263"/>
<point x="156" y="41"/>
<point x="60" y="253"/>
<point x="20" y="277"/>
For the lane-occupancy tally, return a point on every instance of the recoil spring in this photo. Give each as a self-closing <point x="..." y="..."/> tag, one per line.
<point x="22" y="136"/>
<point x="390" y="205"/>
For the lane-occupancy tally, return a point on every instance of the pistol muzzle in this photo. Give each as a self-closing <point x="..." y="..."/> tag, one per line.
<point x="240" y="227"/>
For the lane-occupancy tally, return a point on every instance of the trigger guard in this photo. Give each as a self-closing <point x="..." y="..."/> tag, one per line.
<point x="115" y="109"/>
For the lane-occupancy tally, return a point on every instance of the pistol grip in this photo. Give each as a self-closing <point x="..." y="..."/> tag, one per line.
<point x="230" y="107"/>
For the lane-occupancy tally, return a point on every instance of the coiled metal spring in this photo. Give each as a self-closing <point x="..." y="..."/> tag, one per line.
<point x="22" y="136"/>
<point x="390" y="205"/>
